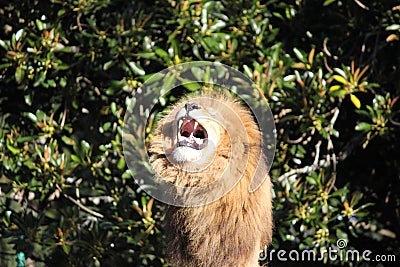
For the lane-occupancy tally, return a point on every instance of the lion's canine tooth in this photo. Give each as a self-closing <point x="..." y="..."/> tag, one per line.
<point x="195" y="125"/>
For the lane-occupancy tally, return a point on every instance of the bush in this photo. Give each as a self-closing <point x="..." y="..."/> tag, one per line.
<point x="330" y="72"/>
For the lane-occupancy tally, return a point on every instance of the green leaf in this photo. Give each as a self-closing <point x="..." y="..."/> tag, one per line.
<point x="61" y="12"/>
<point x="329" y="2"/>
<point x="19" y="75"/>
<point x="169" y="80"/>
<point x="67" y="140"/>
<point x="311" y="180"/>
<point x="341" y="234"/>
<point x="5" y="45"/>
<point x="29" y="164"/>
<point x="364" y="206"/>
<point x="19" y="34"/>
<point x="136" y="68"/>
<point x="85" y="145"/>
<point x="211" y="44"/>
<point x="7" y="217"/>
<point x="61" y="66"/>
<point x="28" y="99"/>
<point x="75" y="158"/>
<point x="121" y="164"/>
<point x="39" y="79"/>
<point x="14" y="150"/>
<point x="126" y="175"/>
<point x="393" y="27"/>
<point x="363" y="126"/>
<point x="161" y="53"/>
<point x="148" y="55"/>
<point x="66" y="249"/>
<point x="198" y="73"/>
<point x="356" y="198"/>
<point x="298" y="54"/>
<point x="339" y="192"/>
<point x="108" y="65"/>
<point x="113" y="107"/>
<point x="363" y="112"/>
<point x="40" y="115"/>
<point x="63" y="82"/>
<point x="217" y="26"/>
<point x="51" y="83"/>
<point x="278" y="15"/>
<point x="41" y="25"/>
<point x="22" y="139"/>
<point x="31" y="116"/>
<point x="106" y="126"/>
<point x="248" y="71"/>
<point x="192" y="86"/>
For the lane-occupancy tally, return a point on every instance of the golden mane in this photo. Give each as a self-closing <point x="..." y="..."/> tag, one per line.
<point x="231" y="230"/>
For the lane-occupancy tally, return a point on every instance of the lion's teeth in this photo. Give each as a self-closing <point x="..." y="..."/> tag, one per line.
<point x="180" y="124"/>
<point x="198" y="140"/>
<point x="195" y="125"/>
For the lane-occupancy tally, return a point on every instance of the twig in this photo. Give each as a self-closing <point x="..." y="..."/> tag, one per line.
<point x="316" y="164"/>
<point x="361" y="5"/>
<point x="334" y="117"/>
<point x="298" y="140"/>
<point x="326" y="51"/>
<point x="327" y="66"/>
<point x="395" y="123"/>
<point x="96" y="214"/>
<point x="317" y="149"/>
<point x="64" y="115"/>
<point x="325" y="48"/>
<point x="296" y="172"/>
<point x="80" y="205"/>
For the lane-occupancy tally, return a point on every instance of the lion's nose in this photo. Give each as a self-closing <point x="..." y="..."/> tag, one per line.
<point x="190" y="106"/>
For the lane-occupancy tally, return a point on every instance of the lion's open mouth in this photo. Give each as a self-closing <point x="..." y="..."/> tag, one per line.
<point x="192" y="134"/>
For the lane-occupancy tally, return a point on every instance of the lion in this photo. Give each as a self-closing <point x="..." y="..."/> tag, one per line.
<point x="200" y="140"/>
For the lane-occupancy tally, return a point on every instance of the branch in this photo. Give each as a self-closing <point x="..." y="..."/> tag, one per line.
<point x="80" y="205"/>
<point x="292" y="174"/>
<point x="361" y="5"/>
<point x="323" y="163"/>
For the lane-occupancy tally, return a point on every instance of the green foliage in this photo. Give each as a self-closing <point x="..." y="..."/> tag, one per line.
<point x="67" y="73"/>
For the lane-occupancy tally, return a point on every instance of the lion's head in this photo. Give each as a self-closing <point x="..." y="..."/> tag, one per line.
<point x="198" y="136"/>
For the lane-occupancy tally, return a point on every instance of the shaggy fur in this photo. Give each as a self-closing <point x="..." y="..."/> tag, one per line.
<point x="232" y="230"/>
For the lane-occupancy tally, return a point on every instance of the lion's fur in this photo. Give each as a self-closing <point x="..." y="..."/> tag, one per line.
<point x="231" y="230"/>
